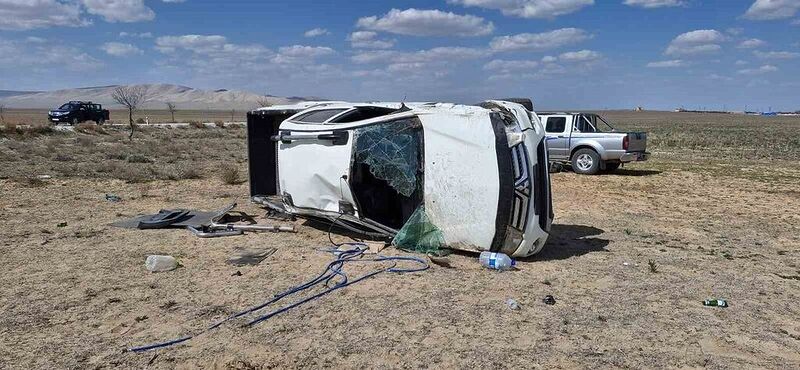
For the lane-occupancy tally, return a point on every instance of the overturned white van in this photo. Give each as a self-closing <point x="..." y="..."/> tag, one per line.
<point x="425" y="175"/>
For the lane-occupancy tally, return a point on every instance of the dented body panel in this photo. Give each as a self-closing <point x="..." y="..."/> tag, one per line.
<point x="466" y="177"/>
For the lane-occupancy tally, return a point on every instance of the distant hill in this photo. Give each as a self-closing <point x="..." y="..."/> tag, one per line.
<point x="183" y="97"/>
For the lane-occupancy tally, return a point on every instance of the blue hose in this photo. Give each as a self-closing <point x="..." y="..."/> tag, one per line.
<point x="333" y="278"/>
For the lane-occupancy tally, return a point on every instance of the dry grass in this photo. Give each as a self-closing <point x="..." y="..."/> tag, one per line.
<point x="231" y="175"/>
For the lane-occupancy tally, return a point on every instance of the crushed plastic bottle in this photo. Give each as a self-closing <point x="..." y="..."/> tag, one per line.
<point x="157" y="263"/>
<point x="496" y="261"/>
<point x="715" y="303"/>
<point x="512" y="304"/>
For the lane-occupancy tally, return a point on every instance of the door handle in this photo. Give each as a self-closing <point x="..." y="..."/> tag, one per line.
<point x="337" y="137"/>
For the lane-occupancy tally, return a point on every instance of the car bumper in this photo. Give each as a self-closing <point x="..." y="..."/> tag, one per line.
<point x="634" y="157"/>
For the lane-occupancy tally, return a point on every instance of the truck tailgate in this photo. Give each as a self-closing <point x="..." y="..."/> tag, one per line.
<point x="637" y="141"/>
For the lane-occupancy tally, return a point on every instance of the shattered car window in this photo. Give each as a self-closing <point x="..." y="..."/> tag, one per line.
<point x="419" y="234"/>
<point x="392" y="152"/>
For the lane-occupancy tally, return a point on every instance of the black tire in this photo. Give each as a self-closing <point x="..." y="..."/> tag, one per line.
<point x="612" y="166"/>
<point x="586" y="162"/>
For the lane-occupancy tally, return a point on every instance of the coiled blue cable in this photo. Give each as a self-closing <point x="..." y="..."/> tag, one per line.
<point x="328" y="277"/>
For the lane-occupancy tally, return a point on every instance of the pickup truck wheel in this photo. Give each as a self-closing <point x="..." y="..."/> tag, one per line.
<point x="74" y="121"/>
<point x="612" y="166"/>
<point x="586" y="162"/>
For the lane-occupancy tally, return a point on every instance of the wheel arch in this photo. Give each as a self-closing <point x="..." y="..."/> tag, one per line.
<point x="591" y="146"/>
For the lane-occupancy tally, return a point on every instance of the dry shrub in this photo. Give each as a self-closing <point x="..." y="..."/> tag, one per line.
<point x="230" y="175"/>
<point x="86" y="141"/>
<point x="30" y="181"/>
<point x="89" y="128"/>
<point x="219" y="124"/>
<point x="138" y="158"/>
<point x="60" y="157"/>
<point x="197" y="124"/>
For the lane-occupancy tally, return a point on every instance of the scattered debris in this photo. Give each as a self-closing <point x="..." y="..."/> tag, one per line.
<point x="715" y="303"/>
<point x="496" y="261"/>
<point x="141" y="318"/>
<point x="44" y="177"/>
<point x="201" y="223"/>
<point x="237" y="273"/>
<point x="512" y="304"/>
<point x="333" y="278"/>
<point x="62" y="224"/>
<point x="549" y="300"/>
<point x="113" y="198"/>
<point x="156" y="263"/>
<point x="440" y="261"/>
<point x="252" y="257"/>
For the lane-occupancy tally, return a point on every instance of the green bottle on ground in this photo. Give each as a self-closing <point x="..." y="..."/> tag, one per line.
<point x="715" y="303"/>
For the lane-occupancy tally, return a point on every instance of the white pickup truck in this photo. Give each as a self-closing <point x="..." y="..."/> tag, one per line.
<point x="588" y="143"/>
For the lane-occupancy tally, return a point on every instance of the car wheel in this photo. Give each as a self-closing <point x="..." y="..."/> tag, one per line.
<point x="586" y="162"/>
<point x="612" y="166"/>
<point x="74" y="121"/>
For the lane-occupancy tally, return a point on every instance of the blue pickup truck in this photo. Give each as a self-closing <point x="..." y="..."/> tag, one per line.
<point x="76" y="112"/>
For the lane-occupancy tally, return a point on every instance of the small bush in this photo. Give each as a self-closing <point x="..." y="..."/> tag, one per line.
<point x="140" y="121"/>
<point x="197" y="124"/>
<point x="31" y="181"/>
<point x="219" y="124"/>
<point x="89" y="128"/>
<point x="653" y="266"/>
<point x="63" y="158"/>
<point x="230" y="175"/>
<point x="85" y="141"/>
<point x="138" y="158"/>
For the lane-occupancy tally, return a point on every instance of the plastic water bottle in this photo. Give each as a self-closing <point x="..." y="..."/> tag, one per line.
<point x="160" y="263"/>
<point x="715" y="303"/>
<point x="497" y="261"/>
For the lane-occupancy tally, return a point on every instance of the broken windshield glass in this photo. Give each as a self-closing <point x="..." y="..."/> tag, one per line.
<point x="392" y="152"/>
<point x="420" y="235"/>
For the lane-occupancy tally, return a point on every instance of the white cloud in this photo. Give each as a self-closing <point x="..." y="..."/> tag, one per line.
<point x="549" y="59"/>
<point x="776" y="54"/>
<point x="119" y="49"/>
<point x="741" y="63"/>
<point x="764" y="10"/>
<point x="735" y="31"/>
<point x="758" y="71"/>
<point x="654" y="3"/>
<point x="751" y="44"/>
<point x="529" y="8"/>
<point x="316" y="32"/>
<point x="144" y="35"/>
<point x="368" y="40"/>
<point x="45" y="56"/>
<point x="440" y="54"/>
<point x="30" y="14"/>
<point x="120" y="10"/>
<point x="201" y="44"/>
<point x="580" y="56"/>
<point x="675" y="63"/>
<point x="35" y="40"/>
<point x="416" y="22"/>
<point x="539" y="41"/>
<point x="303" y="51"/>
<point x="506" y="66"/>
<point x="696" y="42"/>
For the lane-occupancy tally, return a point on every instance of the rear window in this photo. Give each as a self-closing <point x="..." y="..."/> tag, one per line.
<point x="318" y="116"/>
<point x="556" y="124"/>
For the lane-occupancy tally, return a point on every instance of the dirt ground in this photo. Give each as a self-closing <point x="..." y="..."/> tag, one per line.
<point x="631" y="257"/>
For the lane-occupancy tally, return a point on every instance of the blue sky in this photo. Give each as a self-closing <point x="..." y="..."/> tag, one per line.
<point x="659" y="54"/>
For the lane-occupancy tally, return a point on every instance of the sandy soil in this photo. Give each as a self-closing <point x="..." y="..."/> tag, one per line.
<point x="76" y="296"/>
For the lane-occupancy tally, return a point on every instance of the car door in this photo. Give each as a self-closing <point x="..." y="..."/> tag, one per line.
<point x="314" y="162"/>
<point x="557" y="133"/>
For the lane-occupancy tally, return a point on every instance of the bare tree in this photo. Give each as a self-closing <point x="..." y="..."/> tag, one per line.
<point x="133" y="98"/>
<point x="2" y="111"/>
<point x="263" y="101"/>
<point x="234" y="97"/>
<point x="171" y="108"/>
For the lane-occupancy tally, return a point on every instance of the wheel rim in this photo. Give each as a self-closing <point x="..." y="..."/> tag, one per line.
<point x="584" y="162"/>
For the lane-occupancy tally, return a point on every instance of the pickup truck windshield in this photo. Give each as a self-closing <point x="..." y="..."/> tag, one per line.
<point x="67" y="106"/>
